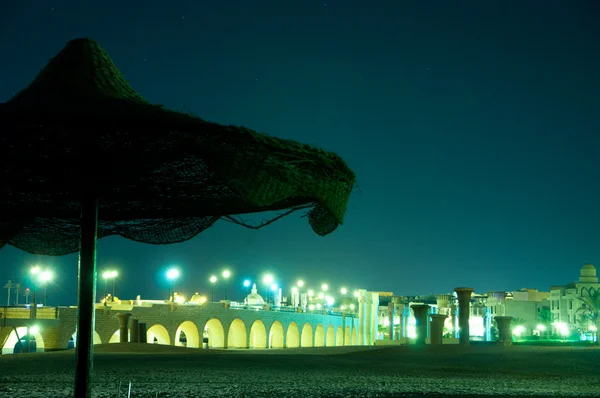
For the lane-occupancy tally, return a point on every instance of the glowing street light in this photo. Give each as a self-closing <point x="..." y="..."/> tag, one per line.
<point x="226" y="275"/>
<point x="172" y="274"/>
<point x="45" y="276"/>
<point x="34" y="272"/>
<point x="356" y="293"/>
<point x="268" y="279"/>
<point x="329" y="300"/>
<point x="247" y="283"/>
<point x="213" y="279"/>
<point x="300" y="283"/>
<point x="324" y="287"/>
<point x="106" y="275"/>
<point x="344" y="291"/>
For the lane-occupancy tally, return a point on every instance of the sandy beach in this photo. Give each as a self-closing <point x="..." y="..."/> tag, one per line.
<point x="311" y="372"/>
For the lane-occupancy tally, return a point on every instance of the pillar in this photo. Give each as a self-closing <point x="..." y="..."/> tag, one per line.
<point x="142" y="332"/>
<point x="391" y="309"/>
<point x="487" y="323"/>
<point x="464" y="303"/>
<point x="454" y="313"/>
<point x="437" y="328"/>
<point x="123" y="329"/>
<point x="362" y="317"/>
<point x="374" y="298"/>
<point x="421" y="311"/>
<point x="504" y="335"/>
<point x="135" y="332"/>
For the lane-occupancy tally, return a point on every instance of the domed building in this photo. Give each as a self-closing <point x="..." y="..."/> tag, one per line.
<point x="587" y="274"/>
<point x="254" y="298"/>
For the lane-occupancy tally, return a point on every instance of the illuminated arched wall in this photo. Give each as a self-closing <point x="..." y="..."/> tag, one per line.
<point x="159" y="332"/>
<point x="354" y="337"/>
<point x="320" y="336"/>
<point x="330" y="336"/>
<point x="292" y="337"/>
<point x="97" y="339"/>
<point x="339" y="337"/>
<point x="348" y="336"/>
<point x="13" y="340"/>
<point x="307" y="336"/>
<point x="276" y="335"/>
<point x="116" y="337"/>
<point x="213" y="330"/>
<point x="258" y="335"/>
<point x="192" y="336"/>
<point x="236" y="338"/>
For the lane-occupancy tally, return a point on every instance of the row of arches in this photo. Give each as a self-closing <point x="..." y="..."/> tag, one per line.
<point x="215" y="335"/>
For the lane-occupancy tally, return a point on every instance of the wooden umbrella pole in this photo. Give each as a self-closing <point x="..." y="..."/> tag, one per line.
<point x="87" y="296"/>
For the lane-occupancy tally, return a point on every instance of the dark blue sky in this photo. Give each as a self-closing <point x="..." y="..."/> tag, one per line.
<point x="472" y="126"/>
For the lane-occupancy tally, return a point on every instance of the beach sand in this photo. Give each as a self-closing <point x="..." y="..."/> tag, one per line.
<point x="310" y="372"/>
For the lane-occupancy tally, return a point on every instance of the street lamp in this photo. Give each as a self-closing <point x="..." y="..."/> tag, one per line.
<point x="213" y="280"/>
<point x="343" y="291"/>
<point x="300" y="283"/>
<point x="268" y="280"/>
<point x="274" y="288"/>
<point x="324" y="287"/>
<point x="172" y="274"/>
<point x="106" y="275"/>
<point x="226" y="275"/>
<point x="45" y="277"/>
<point x="34" y="272"/>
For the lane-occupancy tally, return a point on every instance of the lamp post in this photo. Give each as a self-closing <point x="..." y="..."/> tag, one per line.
<point x="274" y="288"/>
<point x="268" y="280"/>
<point x="226" y="275"/>
<point x="213" y="279"/>
<point x="106" y="275"/>
<point x="172" y="274"/>
<point x="45" y="277"/>
<point x="34" y="272"/>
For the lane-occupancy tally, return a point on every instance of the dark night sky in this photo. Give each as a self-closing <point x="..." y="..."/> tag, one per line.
<point x="472" y="127"/>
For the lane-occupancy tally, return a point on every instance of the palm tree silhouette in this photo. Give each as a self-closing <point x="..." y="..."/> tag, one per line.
<point x="590" y="308"/>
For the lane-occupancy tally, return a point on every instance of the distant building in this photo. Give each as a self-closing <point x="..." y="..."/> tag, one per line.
<point x="565" y="303"/>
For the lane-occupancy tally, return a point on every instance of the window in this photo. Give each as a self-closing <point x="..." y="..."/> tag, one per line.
<point x="570" y="304"/>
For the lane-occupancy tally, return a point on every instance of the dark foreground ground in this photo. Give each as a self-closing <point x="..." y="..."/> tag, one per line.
<point x="320" y="372"/>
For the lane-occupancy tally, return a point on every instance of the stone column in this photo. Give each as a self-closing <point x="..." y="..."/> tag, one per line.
<point x="437" y="328"/>
<point x="142" y="332"/>
<point x="391" y="309"/>
<point x="135" y="332"/>
<point x="362" y="317"/>
<point x="374" y="316"/>
<point x="123" y="329"/>
<point x="421" y="311"/>
<point x="504" y="335"/>
<point x="487" y="323"/>
<point x="454" y="313"/>
<point x="464" y="303"/>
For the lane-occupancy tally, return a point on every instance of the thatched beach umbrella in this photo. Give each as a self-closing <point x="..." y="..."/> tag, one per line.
<point x="82" y="155"/>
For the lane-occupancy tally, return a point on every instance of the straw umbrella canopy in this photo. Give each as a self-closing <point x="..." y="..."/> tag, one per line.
<point x="83" y="156"/>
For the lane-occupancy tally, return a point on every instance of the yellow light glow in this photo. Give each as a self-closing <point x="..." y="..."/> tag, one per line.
<point x="226" y="274"/>
<point x="324" y="287"/>
<point x="35" y="270"/>
<point x="541" y="328"/>
<point x="300" y="283"/>
<point x="343" y="291"/>
<point x="213" y="279"/>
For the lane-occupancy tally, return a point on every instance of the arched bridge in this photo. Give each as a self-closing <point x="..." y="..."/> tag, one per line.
<point x="184" y="325"/>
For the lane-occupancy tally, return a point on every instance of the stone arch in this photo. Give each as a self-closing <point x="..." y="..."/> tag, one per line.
<point x="158" y="332"/>
<point x="258" y="335"/>
<point x="116" y="337"/>
<point x="307" y="335"/>
<point x="190" y="330"/>
<point x="236" y="338"/>
<point x="214" y="333"/>
<point x="73" y="340"/>
<point x="276" y="336"/>
<point x="354" y="337"/>
<point x="320" y="336"/>
<point x="292" y="336"/>
<point x="330" y="336"/>
<point x="339" y="336"/>
<point x="10" y="344"/>
<point x="348" y="336"/>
